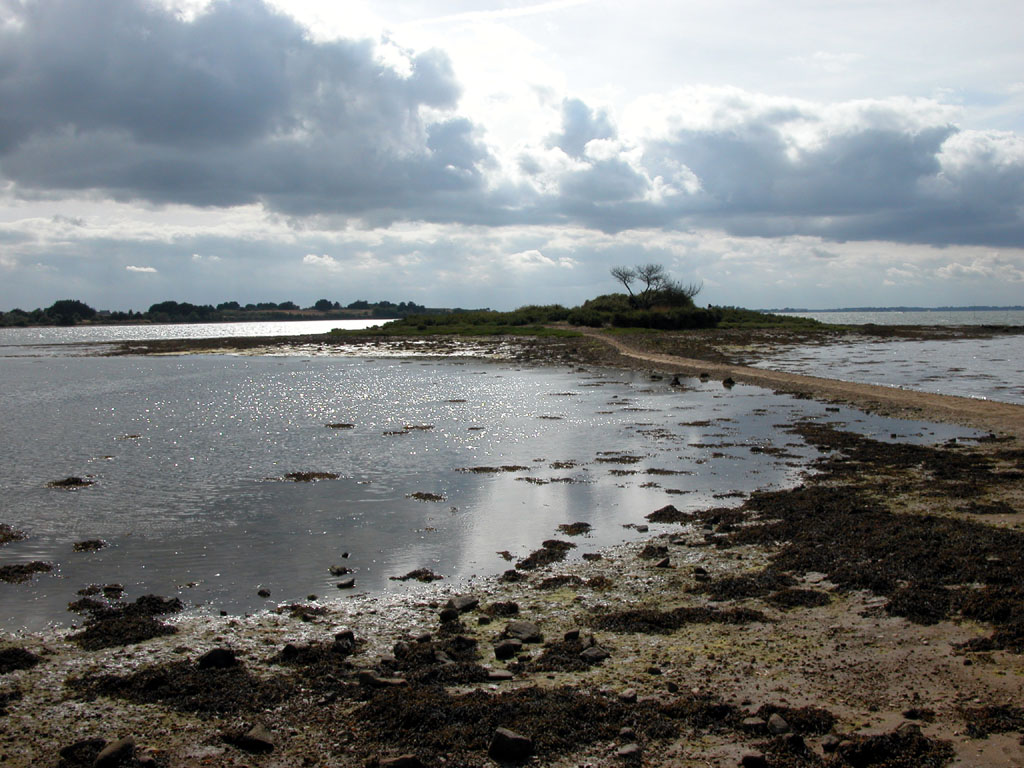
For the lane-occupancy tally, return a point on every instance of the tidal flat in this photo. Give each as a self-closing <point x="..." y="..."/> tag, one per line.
<point x="861" y="608"/>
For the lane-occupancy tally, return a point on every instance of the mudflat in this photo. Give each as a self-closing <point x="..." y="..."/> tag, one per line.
<point x="873" y="616"/>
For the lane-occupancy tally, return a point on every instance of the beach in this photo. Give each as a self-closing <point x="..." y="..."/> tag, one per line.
<point x="871" y="616"/>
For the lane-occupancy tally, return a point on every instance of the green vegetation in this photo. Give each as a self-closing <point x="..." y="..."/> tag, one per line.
<point x="652" y="301"/>
<point x="74" y="312"/>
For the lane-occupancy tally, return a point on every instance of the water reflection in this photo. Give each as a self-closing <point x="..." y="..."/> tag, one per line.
<point x="188" y="456"/>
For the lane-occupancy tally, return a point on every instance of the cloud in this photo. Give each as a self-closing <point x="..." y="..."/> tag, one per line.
<point x="321" y="262"/>
<point x="145" y="270"/>
<point x="533" y="259"/>
<point x="236" y="106"/>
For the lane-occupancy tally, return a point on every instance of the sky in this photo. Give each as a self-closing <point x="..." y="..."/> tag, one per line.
<point x="801" y="153"/>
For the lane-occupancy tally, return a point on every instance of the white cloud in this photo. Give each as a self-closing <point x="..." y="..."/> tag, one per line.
<point x="321" y="262"/>
<point x="145" y="270"/>
<point x="533" y="259"/>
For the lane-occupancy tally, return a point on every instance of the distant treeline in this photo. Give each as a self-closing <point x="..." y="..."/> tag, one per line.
<point x="74" y="312"/>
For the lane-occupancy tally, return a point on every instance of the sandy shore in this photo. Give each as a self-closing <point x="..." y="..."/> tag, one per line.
<point x="873" y="616"/>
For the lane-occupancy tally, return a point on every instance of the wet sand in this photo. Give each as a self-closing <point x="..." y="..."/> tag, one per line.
<point x="876" y="612"/>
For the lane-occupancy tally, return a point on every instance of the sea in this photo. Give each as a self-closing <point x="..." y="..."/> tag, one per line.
<point x="987" y="368"/>
<point x="460" y="466"/>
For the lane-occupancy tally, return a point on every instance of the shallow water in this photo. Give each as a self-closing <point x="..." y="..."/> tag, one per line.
<point x="991" y="369"/>
<point x="187" y="456"/>
<point x="33" y="342"/>
<point x="918" y="317"/>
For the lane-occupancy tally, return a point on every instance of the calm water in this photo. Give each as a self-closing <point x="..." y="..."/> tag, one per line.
<point x="187" y="455"/>
<point x="925" y="317"/>
<point x="18" y="342"/>
<point x="991" y="369"/>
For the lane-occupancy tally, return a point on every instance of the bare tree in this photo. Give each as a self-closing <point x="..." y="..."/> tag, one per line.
<point x="626" y="276"/>
<point x="656" y="286"/>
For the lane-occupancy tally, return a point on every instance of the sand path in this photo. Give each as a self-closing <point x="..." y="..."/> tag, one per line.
<point x="1001" y="418"/>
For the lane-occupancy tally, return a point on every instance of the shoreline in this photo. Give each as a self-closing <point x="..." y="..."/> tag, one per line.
<point x="689" y="693"/>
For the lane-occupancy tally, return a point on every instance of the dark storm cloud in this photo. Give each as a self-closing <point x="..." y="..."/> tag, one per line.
<point x="883" y="181"/>
<point x="237" y="106"/>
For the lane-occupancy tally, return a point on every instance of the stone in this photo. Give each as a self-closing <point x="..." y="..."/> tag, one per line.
<point x="629" y="751"/>
<point x="115" y="752"/>
<point x="594" y="654"/>
<point x="507" y="649"/>
<point x="263" y="592"/>
<point x="499" y="675"/>
<point x="526" y="631"/>
<point x="663" y="563"/>
<point x="754" y="760"/>
<point x="909" y="729"/>
<point x="345" y="641"/>
<point x="257" y="740"/>
<point x="449" y="614"/>
<point x="572" y="634"/>
<point x="218" y="658"/>
<point x="777" y="724"/>
<point x="508" y="746"/>
<point x="370" y="679"/>
<point x="627" y="734"/>
<point x="463" y="603"/>
<point x="830" y="743"/>
<point x="347" y="583"/>
<point x="753" y="724"/>
<point x="628" y="696"/>
<point x="402" y="761"/>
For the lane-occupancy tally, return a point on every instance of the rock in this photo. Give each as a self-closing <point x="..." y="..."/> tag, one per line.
<point x="909" y="729"/>
<point x="369" y="679"/>
<point x="628" y="696"/>
<point x="526" y="631"/>
<point x="699" y="571"/>
<point x="218" y="658"/>
<point x="627" y="734"/>
<point x="830" y="743"/>
<point x="402" y="761"/>
<point x="499" y="675"/>
<point x="629" y="751"/>
<point x="449" y="614"/>
<point x="509" y="747"/>
<point x="257" y="740"/>
<point x="754" y="760"/>
<point x="339" y="570"/>
<point x="594" y="654"/>
<point x="572" y="634"/>
<point x="463" y="603"/>
<point x="663" y="563"/>
<point x="115" y="752"/>
<point x="728" y="382"/>
<point x="347" y="583"/>
<point x="262" y="592"/>
<point x="753" y="724"/>
<point x="345" y="641"/>
<point x="642" y="528"/>
<point x="777" y="724"/>
<point x="506" y="649"/>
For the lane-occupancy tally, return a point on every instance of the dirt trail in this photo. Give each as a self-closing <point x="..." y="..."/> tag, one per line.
<point x="1001" y="418"/>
